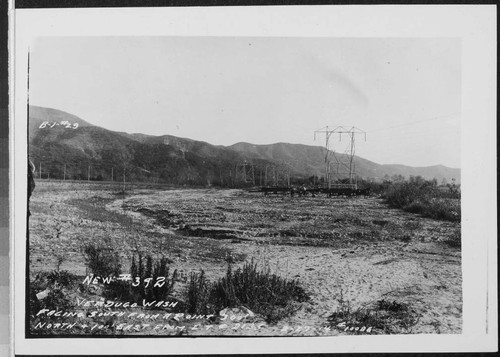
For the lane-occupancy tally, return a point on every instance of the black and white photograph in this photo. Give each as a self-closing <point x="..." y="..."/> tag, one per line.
<point x="243" y="186"/>
<point x="177" y="188"/>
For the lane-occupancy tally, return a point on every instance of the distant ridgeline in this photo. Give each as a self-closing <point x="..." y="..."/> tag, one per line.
<point x="63" y="146"/>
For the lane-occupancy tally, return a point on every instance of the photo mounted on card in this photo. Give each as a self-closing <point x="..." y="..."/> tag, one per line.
<point x="234" y="183"/>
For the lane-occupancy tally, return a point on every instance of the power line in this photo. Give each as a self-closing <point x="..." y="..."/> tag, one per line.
<point x="416" y="122"/>
<point x="420" y="133"/>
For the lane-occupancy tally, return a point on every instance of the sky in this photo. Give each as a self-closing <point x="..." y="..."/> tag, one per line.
<point x="405" y="93"/>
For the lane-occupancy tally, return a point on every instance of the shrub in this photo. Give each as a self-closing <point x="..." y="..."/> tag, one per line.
<point x="101" y="261"/>
<point x="423" y="197"/>
<point x="197" y="294"/>
<point x="372" y="186"/>
<point x="62" y="278"/>
<point x="147" y="273"/>
<point x="54" y="284"/>
<point x="453" y="190"/>
<point x="383" y="316"/>
<point x="262" y="292"/>
<point x="447" y="209"/>
<point x="56" y="300"/>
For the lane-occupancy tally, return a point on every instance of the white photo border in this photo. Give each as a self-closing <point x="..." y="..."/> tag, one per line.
<point x="474" y="25"/>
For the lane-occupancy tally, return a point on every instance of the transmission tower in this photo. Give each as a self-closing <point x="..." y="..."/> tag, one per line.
<point x="278" y="174"/>
<point x="245" y="172"/>
<point x="342" y="166"/>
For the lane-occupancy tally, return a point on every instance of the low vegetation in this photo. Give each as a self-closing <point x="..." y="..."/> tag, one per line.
<point x="102" y="261"/>
<point x="49" y="290"/>
<point x="379" y="317"/>
<point x="261" y="291"/>
<point x="425" y="197"/>
<point x="176" y="230"/>
<point x="150" y="280"/>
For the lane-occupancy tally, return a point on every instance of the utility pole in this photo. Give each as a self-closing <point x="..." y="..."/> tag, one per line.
<point x="351" y="164"/>
<point x="123" y="178"/>
<point x="88" y="174"/>
<point x="112" y="174"/>
<point x="64" y="172"/>
<point x="347" y="160"/>
<point x="40" y="170"/>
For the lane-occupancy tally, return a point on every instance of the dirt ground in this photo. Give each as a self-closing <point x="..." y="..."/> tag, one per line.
<point x="356" y="250"/>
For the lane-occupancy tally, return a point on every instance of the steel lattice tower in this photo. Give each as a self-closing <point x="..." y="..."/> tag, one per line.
<point x="245" y="172"/>
<point x="344" y="165"/>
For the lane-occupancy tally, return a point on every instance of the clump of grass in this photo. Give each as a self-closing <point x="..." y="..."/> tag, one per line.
<point x="55" y="283"/>
<point x="152" y="280"/>
<point x="56" y="300"/>
<point x="197" y="294"/>
<point x="382" y="316"/>
<point x="261" y="291"/>
<point x="61" y="278"/>
<point x="102" y="261"/>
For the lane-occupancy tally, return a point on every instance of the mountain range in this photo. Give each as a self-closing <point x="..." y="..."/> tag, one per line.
<point x="77" y="149"/>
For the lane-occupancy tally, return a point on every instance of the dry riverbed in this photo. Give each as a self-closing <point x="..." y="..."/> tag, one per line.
<point x="344" y="252"/>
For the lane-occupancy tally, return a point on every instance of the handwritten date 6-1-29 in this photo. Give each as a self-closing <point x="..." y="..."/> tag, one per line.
<point x="63" y="123"/>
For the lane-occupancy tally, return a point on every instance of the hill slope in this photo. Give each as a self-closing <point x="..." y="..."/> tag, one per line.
<point x="38" y="115"/>
<point x="93" y="152"/>
<point x="309" y="160"/>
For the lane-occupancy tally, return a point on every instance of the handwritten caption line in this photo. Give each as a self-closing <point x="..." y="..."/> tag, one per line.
<point x="170" y="327"/>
